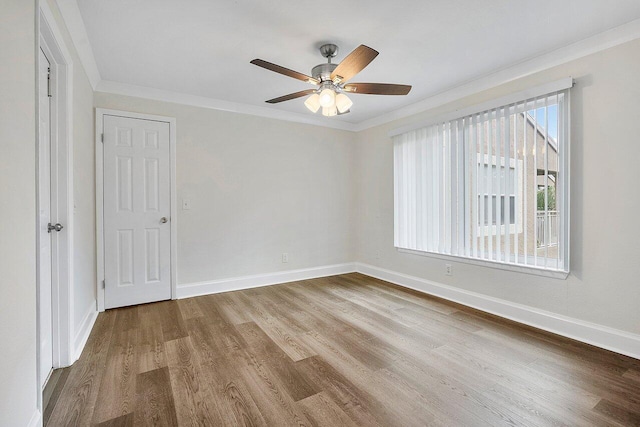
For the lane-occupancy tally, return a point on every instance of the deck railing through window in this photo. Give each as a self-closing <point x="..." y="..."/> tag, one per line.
<point x="547" y="228"/>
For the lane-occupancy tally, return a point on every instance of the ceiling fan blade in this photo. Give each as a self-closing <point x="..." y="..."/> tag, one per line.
<point x="285" y="71"/>
<point x="291" y="96"/>
<point x="377" y="88"/>
<point x="353" y="63"/>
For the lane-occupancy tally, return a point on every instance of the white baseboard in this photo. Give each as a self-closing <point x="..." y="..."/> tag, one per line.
<point x="84" y="330"/>
<point x="188" y="290"/>
<point x="36" y="419"/>
<point x="600" y="336"/>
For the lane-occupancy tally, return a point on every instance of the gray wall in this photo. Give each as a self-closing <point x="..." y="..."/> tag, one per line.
<point x="258" y="187"/>
<point x="18" y="388"/>
<point x="603" y="285"/>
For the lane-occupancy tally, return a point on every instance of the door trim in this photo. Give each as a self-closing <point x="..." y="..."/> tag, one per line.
<point x="51" y="41"/>
<point x="100" y="113"/>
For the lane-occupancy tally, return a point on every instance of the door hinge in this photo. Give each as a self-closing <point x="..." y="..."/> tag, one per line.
<point x="103" y="284"/>
<point x="49" y="82"/>
<point x="102" y="137"/>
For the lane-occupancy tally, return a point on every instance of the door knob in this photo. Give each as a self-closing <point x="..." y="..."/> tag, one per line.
<point x="163" y="220"/>
<point x="56" y="227"/>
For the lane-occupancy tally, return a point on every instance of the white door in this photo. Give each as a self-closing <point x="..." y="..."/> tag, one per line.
<point x="137" y="226"/>
<point x="44" y="218"/>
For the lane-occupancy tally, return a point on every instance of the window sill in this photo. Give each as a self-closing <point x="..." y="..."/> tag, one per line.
<point x="537" y="271"/>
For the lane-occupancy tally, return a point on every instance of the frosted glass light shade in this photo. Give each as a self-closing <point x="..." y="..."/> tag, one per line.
<point x="313" y="103"/>
<point x="343" y="102"/>
<point x="327" y="98"/>
<point x="329" y="111"/>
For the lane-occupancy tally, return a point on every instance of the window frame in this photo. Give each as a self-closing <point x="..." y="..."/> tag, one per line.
<point x="564" y="132"/>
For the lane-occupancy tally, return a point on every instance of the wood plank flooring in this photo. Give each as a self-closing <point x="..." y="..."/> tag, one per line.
<point x="338" y="351"/>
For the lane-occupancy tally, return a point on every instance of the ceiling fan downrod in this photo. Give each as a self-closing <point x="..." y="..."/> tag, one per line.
<point x="322" y="72"/>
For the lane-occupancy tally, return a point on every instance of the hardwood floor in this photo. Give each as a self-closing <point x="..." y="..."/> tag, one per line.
<point x="339" y="351"/>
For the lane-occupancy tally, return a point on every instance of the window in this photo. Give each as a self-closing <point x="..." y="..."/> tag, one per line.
<point x="499" y="209"/>
<point x="499" y="203"/>
<point x="490" y="185"/>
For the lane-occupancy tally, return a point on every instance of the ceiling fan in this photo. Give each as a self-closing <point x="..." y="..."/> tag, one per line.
<point x="331" y="81"/>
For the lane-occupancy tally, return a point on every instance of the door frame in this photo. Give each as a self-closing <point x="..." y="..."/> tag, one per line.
<point x="52" y="43"/>
<point x="100" y="113"/>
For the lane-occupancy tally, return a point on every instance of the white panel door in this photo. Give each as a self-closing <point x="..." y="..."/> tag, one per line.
<point x="44" y="217"/>
<point x="137" y="226"/>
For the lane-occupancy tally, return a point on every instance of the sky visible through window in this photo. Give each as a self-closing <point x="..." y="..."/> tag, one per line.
<point x="538" y="116"/>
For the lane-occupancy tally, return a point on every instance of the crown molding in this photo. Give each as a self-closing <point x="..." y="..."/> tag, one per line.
<point x="596" y="43"/>
<point x="75" y="25"/>
<point x="216" y="104"/>
<point x="601" y="41"/>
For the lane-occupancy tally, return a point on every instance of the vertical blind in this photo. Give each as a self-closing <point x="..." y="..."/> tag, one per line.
<point x="492" y="185"/>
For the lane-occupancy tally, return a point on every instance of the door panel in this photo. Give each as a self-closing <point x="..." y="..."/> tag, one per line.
<point x="136" y="199"/>
<point x="44" y="217"/>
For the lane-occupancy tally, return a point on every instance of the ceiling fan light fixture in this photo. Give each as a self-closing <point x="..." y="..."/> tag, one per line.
<point x="313" y="103"/>
<point x="329" y="111"/>
<point x="331" y="81"/>
<point x="343" y="103"/>
<point x="327" y="97"/>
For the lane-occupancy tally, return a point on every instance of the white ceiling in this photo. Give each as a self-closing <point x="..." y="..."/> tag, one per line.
<point x="203" y="47"/>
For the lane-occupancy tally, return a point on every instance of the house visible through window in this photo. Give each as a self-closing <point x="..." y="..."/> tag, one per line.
<point x="499" y="208"/>
<point x="490" y="185"/>
<point x="499" y="203"/>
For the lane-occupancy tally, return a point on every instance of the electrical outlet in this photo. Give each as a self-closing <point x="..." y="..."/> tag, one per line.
<point x="186" y="204"/>
<point x="285" y="257"/>
<point x="448" y="270"/>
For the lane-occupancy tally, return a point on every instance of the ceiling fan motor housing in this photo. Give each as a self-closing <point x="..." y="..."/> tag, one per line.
<point x="323" y="72"/>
